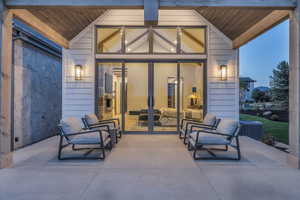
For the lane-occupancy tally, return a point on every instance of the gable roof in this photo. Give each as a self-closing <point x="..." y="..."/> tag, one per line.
<point x="67" y="21"/>
<point x="232" y="21"/>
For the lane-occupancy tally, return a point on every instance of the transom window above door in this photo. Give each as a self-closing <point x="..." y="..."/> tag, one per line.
<point x="150" y="40"/>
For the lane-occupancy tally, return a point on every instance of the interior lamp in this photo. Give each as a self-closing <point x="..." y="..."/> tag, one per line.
<point x="78" y="72"/>
<point x="223" y="70"/>
<point x="194" y="97"/>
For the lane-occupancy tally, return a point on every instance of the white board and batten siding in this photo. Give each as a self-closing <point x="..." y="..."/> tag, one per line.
<point x="222" y="96"/>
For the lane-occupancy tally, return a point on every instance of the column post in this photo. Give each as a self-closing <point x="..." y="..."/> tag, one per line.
<point x="5" y="86"/>
<point x="294" y="88"/>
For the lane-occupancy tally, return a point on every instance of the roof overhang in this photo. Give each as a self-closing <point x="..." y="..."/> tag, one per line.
<point x="241" y="21"/>
<point x="177" y="4"/>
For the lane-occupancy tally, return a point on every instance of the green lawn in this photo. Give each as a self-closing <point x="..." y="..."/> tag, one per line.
<point x="280" y="130"/>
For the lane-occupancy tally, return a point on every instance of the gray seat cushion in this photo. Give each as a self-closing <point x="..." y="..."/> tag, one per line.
<point x="89" y="138"/>
<point x="208" y="139"/>
<point x="91" y="119"/>
<point x="71" y="125"/>
<point x="228" y="126"/>
<point x="209" y="119"/>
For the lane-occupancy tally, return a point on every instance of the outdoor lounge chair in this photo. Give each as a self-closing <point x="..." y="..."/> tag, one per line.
<point x="92" y="122"/>
<point x="225" y="135"/>
<point x="71" y="133"/>
<point x="210" y="122"/>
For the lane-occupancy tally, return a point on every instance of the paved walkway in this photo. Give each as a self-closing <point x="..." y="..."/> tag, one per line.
<point x="154" y="167"/>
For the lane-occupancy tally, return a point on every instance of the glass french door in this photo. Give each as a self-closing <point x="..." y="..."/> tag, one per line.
<point x="150" y="97"/>
<point x="136" y="99"/>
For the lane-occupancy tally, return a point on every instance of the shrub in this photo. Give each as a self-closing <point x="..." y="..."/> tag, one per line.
<point x="274" y="117"/>
<point x="268" y="139"/>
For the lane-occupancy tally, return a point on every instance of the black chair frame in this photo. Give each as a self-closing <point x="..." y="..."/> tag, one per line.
<point x="194" y="124"/>
<point x="105" y="122"/>
<point x="182" y="125"/>
<point x="200" y="147"/>
<point x="101" y="144"/>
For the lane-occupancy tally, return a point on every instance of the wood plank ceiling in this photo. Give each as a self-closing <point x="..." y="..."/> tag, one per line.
<point x="233" y="21"/>
<point x="67" y="21"/>
<point x="70" y="21"/>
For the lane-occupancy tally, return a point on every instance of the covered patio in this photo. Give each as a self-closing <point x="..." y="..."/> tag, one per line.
<point x="62" y="20"/>
<point x="150" y="167"/>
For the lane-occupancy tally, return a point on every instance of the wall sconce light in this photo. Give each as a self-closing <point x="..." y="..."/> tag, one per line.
<point x="78" y="72"/>
<point x="223" y="69"/>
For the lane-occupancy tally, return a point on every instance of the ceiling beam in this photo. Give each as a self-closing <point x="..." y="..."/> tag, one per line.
<point x="163" y="3"/>
<point x="76" y="3"/>
<point x="151" y="12"/>
<point x="262" y="26"/>
<point x="40" y="26"/>
<point x="284" y="4"/>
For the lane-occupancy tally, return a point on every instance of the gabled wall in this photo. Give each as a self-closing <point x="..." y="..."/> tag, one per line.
<point x="223" y="96"/>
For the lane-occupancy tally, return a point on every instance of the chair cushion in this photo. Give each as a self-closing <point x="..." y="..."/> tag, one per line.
<point x="208" y="139"/>
<point x="71" y="125"/>
<point x="91" y="119"/>
<point x="89" y="138"/>
<point x="209" y="119"/>
<point x="228" y="126"/>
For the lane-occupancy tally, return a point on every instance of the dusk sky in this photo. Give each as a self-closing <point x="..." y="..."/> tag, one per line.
<point x="260" y="56"/>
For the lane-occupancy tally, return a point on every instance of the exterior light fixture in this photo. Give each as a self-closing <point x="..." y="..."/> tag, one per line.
<point x="223" y="70"/>
<point x="78" y="72"/>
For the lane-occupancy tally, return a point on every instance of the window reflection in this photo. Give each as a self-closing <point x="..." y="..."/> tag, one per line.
<point x="137" y="40"/>
<point x="109" y="40"/>
<point x="165" y="40"/>
<point x="192" y="40"/>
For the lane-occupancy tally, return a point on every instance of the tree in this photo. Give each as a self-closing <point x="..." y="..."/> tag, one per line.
<point x="280" y="84"/>
<point x="243" y="85"/>
<point x="260" y="96"/>
<point x="243" y="89"/>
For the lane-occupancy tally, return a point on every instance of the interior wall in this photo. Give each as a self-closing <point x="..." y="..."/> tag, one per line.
<point x="222" y="96"/>
<point x="161" y="73"/>
<point x="137" y="86"/>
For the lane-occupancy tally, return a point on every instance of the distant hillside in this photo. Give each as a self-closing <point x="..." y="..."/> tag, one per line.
<point x="263" y="88"/>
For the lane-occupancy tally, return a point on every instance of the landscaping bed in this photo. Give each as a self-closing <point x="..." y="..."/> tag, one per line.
<point x="281" y="115"/>
<point x="276" y="129"/>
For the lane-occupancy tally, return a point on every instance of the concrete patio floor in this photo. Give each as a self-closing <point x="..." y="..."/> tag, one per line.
<point x="149" y="167"/>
